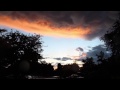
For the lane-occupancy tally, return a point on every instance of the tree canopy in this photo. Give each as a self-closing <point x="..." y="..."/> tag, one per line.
<point x="107" y="67"/>
<point x="112" y="37"/>
<point x="18" y="49"/>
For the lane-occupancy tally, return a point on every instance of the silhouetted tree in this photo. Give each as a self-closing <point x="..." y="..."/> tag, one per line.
<point x="18" y="51"/>
<point x="107" y="68"/>
<point x="59" y="66"/>
<point x="88" y="67"/>
<point x="59" y="69"/>
<point x="112" y="41"/>
<point x="101" y="57"/>
<point x="112" y="38"/>
<point x="68" y="70"/>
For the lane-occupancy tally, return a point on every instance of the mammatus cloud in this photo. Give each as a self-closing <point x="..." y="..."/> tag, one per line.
<point x="96" y="50"/>
<point x="68" y="24"/>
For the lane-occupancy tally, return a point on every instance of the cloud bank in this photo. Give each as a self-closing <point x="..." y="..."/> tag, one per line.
<point x="96" y="50"/>
<point x="66" y="24"/>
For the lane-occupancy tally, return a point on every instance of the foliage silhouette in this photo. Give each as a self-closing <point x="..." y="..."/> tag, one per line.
<point x="19" y="55"/>
<point x="18" y="51"/>
<point x="42" y="69"/>
<point x="66" y="70"/>
<point x="88" y="67"/>
<point x="106" y="68"/>
<point x="112" y="38"/>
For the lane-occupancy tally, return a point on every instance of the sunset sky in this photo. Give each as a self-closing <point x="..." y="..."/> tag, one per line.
<point x="67" y="35"/>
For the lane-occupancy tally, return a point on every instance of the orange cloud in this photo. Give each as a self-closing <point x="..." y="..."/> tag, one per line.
<point x="83" y="55"/>
<point x="44" y="27"/>
<point x="76" y="57"/>
<point x="79" y="57"/>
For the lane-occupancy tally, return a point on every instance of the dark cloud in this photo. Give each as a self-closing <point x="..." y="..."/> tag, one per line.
<point x="63" y="58"/>
<point x="57" y="58"/>
<point x="79" y="49"/>
<point x="66" y="58"/>
<point x="96" y="50"/>
<point x="98" y="21"/>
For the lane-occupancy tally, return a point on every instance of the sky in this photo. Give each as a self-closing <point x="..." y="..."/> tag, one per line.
<point x="67" y="35"/>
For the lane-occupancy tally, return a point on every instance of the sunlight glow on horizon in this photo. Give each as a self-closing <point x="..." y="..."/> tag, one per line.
<point x="61" y="42"/>
<point x="54" y="62"/>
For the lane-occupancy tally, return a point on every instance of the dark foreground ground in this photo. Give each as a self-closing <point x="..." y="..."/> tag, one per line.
<point x="52" y="77"/>
<point x="41" y="77"/>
